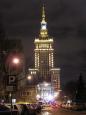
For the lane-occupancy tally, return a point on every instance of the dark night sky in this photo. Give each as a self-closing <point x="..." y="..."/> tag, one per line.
<point x="66" y="23"/>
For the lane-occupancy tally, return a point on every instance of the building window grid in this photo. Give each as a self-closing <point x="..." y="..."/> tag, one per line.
<point x="49" y="59"/>
<point x="50" y="46"/>
<point x="43" y="46"/>
<point x="35" y="59"/>
<point x="45" y="58"/>
<point x="38" y="59"/>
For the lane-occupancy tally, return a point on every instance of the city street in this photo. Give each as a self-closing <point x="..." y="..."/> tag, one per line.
<point x="63" y="112"/>
<point x="43" y="65"/>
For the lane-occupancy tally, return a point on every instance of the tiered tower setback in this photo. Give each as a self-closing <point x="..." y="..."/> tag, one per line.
<point x="44" y="60"/>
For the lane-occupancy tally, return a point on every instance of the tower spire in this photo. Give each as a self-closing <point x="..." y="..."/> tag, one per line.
<point x="43" y="13"/>
<point x="43" y="30"/>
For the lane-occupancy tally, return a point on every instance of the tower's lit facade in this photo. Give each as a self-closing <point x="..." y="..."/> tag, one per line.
<point x="44" y="70"/>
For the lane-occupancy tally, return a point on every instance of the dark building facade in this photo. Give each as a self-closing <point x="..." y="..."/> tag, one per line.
<point x="9" y="49"/>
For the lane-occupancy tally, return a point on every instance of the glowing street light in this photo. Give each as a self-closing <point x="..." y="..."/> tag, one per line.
<point x="46" y="84"/>
<point x="38" y="96"/>
<point x="29" y="77"/>
<point x="16" y="60"/>
<point x="56" y="94"/>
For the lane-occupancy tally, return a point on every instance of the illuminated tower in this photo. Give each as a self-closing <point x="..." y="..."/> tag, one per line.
<point x="44" y="78"/>
<point x="44" y="60"/>
<point x="44" y="51"/>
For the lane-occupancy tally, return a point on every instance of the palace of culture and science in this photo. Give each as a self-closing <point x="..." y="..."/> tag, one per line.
<point x="45" y="77"/>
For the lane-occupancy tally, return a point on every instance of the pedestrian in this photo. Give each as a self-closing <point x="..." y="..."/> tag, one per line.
<point x="25" y="110"/>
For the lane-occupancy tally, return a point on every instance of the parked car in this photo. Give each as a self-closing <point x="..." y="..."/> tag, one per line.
<point x="4" y="110"/>
<point x="74" y="106"/>
<point x="15" y="107"/>
<point x="47" y="107"/>
<point x="78" y="106"/>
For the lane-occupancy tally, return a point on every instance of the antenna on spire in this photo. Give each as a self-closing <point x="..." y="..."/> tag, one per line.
<point x="43" y="12"/>
<point x="43" y="31"/>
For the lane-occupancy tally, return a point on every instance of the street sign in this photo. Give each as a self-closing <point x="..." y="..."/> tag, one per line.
<point x="11" y="83"/>
<point x="12" y="80"/>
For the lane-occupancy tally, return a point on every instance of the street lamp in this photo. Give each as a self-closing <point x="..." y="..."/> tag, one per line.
<point x="14" y="61"/>
<point x="46" y="84"/>
<point x="29" y="77"/>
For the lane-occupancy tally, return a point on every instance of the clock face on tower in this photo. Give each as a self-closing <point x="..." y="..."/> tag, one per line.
<point x="43" y="26"/>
